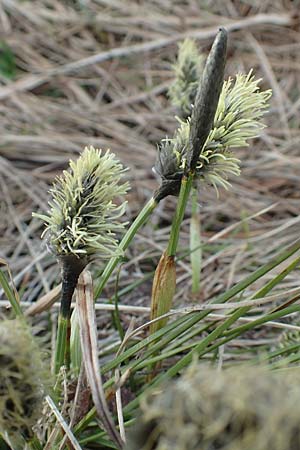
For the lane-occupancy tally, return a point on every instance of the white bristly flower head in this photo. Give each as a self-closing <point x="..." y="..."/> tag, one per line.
<point x="238" y="118"/>
<point x="83" y="217"/>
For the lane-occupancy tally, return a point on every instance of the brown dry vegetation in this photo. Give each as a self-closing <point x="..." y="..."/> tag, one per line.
<point x="97" y="72"/>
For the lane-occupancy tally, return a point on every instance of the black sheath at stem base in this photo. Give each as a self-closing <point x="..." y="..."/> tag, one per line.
<point x="72" y="266"/>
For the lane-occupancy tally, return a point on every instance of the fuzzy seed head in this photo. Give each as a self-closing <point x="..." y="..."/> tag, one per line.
<point x="236" y="409"/>
<point x="187" y="71"/>
<point x="22" y="379"/>
<point x="83" y="217"/>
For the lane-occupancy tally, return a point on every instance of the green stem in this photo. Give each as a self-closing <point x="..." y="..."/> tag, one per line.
<point x="116" y="312"/>
<point x="10" y="295"/>
<point x="203" y="346"/>
<point x="290" y="351"/>
<point x="185" y="323"/>
<point x="131" y="232"/>
<point x="185" y="189"/>
<point x="34" y="444"/>
<point x="72" y="267"/>
<point x="200" y="348"/>
<point x="111" y="265"/>
<point x="195" y="243"/>
<point x="61" y="342"/>
<point x="255" y="323"/>
<point x="164" y="282"/>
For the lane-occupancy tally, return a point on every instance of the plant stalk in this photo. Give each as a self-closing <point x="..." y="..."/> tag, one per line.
<point x="164" y="282"/>
<point x="72" y="266"/>
<point x="185" y="189"/>
<point x="195" y="243"/>
<point x="129" y="235"/>
<point x="11" y="295"/>
<point x="108" y="270"/>
<point x="202" y="345"/>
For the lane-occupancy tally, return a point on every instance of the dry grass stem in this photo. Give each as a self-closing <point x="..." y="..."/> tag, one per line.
<point x="63" y="423"/>
<point x="89" y="347"/>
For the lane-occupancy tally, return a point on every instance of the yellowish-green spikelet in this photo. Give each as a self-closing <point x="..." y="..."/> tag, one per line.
<point x="187" y="71"/>
<point x="238" y="118"/>
<point x="22" y="380"/>
<point x="84" y="218"/>
<point x="240" y="108"/>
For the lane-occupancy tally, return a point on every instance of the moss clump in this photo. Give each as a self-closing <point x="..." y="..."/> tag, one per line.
<point x="236" y="409"/>
<point x="22" y="379"/>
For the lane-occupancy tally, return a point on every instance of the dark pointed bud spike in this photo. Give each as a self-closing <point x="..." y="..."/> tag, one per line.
<point x="207" y="98"/>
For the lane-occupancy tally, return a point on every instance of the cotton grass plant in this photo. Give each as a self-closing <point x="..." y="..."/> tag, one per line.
<point x="81" y="226"/>
<point x="183" y="155"/>
<point x="232" y="118"/>
<point x="231" y="123"/>
<point x="241" y="106"/>
<point x="200" y="151"/>
<point x="188" y="70"/>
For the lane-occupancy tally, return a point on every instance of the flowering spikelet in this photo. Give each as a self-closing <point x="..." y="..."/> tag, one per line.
<point x="187" y="70"/>
<point x="236" y="409"/>
<point x="214" y="165"/>
<point x="240" y="108"/>
<point x="22" y="379"/>
<point x="83" y="216"/>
